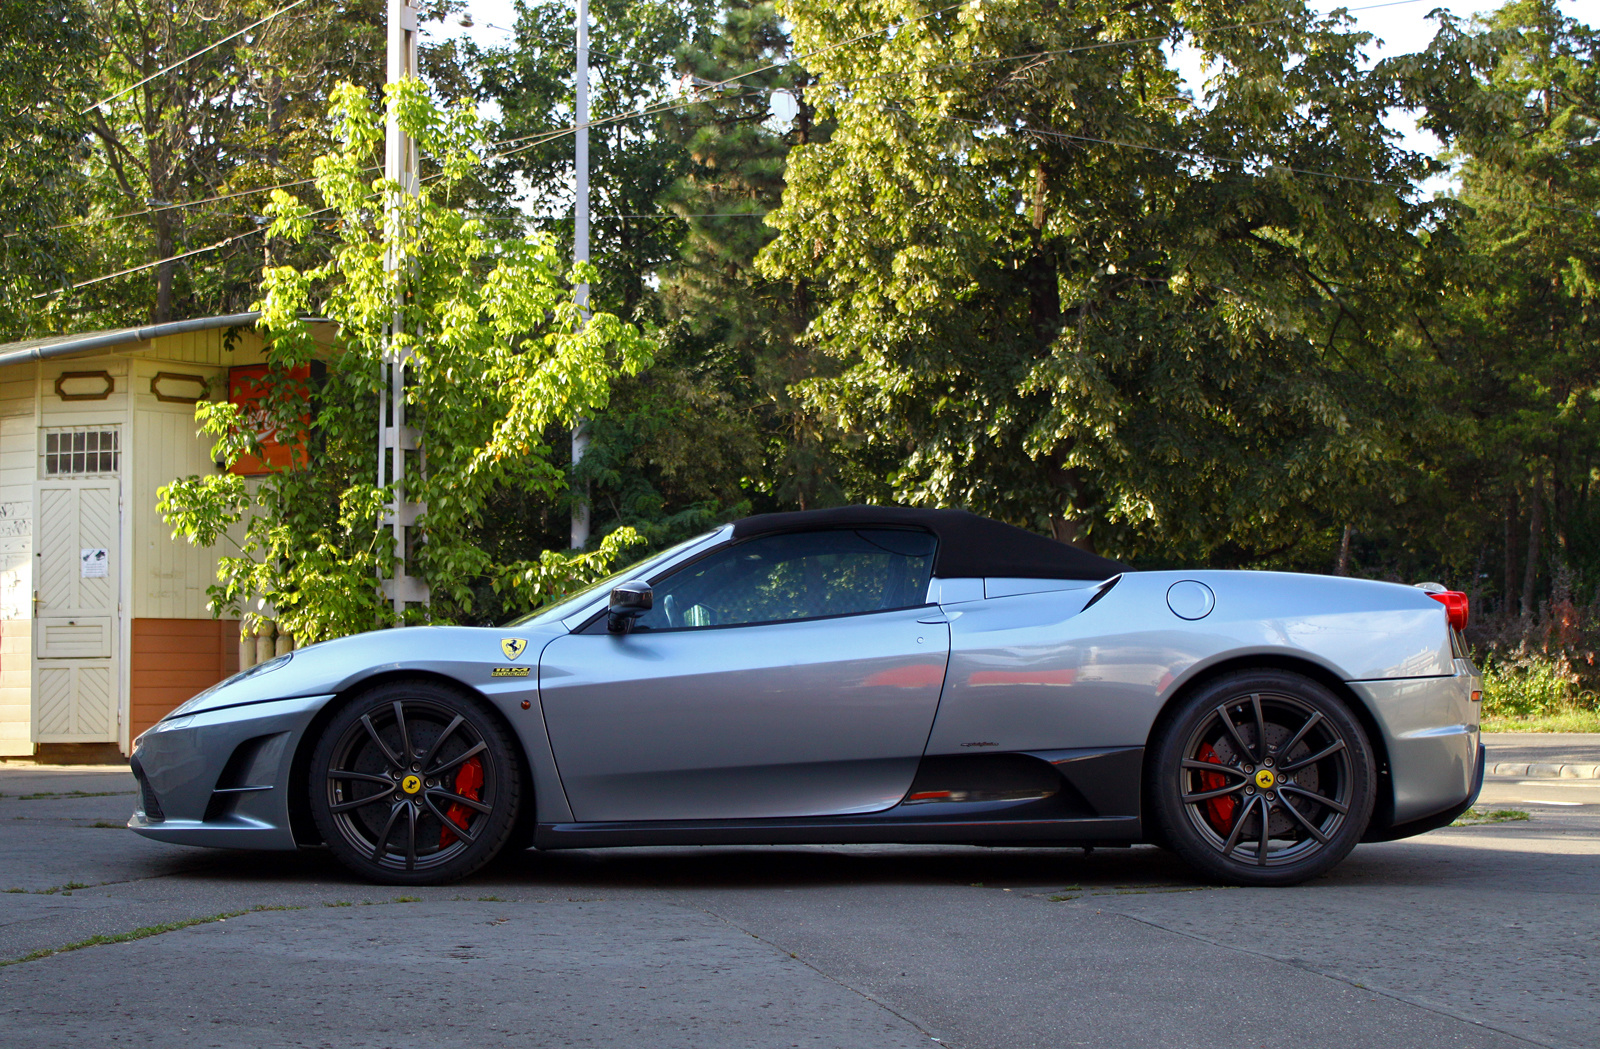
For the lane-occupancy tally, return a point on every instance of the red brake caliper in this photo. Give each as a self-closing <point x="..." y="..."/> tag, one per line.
<point x="1219" y="811"/>
<point x="469" y="780"/>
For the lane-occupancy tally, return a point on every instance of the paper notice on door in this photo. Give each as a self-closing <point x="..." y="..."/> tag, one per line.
<point x="93" y="562"/>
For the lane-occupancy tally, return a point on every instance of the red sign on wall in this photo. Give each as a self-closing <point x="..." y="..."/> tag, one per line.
<point x="247" y="389"/>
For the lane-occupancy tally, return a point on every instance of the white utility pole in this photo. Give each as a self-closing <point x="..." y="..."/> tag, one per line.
<point x="395" y="438"/>
<point x="580" y="253"/>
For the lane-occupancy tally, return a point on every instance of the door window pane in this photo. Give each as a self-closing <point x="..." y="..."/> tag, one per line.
<point x="803" y="575"/>
<point x="80" y="453"/>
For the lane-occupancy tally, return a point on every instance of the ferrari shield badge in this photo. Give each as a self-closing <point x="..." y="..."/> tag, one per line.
<point x="513" y="646"/>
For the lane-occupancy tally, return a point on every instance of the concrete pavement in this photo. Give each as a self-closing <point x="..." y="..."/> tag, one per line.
<point x="1469" y="936"/>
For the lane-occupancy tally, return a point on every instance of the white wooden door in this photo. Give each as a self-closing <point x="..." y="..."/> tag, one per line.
<point x="75" y="627"/>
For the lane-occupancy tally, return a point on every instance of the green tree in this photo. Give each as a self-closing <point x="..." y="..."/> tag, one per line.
<point x="672" y="452"/>
<point x="244" y="115"/>
<point x="498" y="354"/>
<point x="1516" y="98"/>
<point x="633" y="48"/>
<point x="43" y="86"/>
<point x="1066" y="293"/>
<point x="745" y="326"/>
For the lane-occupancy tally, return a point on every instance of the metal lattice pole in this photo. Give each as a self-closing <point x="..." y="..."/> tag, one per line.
<point x="395" y="438"/>
<point x="580" y="253"/>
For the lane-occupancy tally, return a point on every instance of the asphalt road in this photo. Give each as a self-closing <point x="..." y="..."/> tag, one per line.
<point x="1474" y="936"/>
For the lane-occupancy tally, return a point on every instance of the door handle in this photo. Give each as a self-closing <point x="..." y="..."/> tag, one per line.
<point x="938" y="617"/>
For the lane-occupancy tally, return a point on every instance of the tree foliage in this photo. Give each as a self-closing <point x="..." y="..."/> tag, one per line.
<point x="1516" y="98"/>
<point x="1072" y="296"/>
<point x="497" y="351"/>
<point x="44" y="87"/>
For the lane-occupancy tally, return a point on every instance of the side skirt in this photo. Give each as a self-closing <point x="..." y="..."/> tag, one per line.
<point x="849" y="831"/>
<point x="1087" y="796"/>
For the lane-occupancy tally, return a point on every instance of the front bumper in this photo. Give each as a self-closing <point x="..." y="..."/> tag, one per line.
<point x="221" y="778"/>
<point x="1430" y="728"/>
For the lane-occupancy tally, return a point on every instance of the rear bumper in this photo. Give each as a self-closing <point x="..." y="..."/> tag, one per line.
<point x="221" y="778"/>
<point x="1430" y="729"/>
<point x="1438" y="819"/>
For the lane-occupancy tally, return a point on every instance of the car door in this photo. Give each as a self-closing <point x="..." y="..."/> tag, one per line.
<point x="794" y="674"/>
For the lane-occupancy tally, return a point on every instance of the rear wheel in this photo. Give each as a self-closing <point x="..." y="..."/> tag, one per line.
<point x="1262" y="778"/>
<point x="414" y="783"/>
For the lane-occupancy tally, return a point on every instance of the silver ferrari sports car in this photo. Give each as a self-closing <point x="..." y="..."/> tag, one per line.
<point x="864" y="674"/>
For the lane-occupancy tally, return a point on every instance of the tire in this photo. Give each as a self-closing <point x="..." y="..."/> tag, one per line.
<point x="1316" y="782"/>
<point x="427" y="817"/>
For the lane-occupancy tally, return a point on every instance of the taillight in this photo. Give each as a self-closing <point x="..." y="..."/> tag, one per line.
<point x="1455" y="607"/>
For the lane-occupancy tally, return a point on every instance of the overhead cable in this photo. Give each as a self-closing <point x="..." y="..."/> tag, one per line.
<point x="189" y="58"/>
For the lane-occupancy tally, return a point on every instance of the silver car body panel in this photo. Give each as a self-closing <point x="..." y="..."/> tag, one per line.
<point x="1430" y="731"/>
<point x="829" y="719"/>
<point x="1039" y="672"/>
<point x="183" y="760"/>
<point x="810" y="718"/>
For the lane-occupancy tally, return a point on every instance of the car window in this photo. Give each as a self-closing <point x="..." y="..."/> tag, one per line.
<point x="801" y="575"/>
<point x="568" y="605"/>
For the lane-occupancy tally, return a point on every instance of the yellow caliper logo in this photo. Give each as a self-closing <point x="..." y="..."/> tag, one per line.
<point x="411" y="784"/>
<point x="1265" y="779"/>
<point x="513" y="646"/>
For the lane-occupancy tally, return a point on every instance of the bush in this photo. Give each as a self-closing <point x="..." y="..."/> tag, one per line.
<point x="1531" y="684"/>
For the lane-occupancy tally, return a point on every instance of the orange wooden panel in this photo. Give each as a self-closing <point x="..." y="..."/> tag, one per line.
<point x="178" y="627"/>
<point x="172" y="659"/>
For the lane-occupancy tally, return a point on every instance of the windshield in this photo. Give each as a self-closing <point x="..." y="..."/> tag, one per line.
<point x="565" y="607"/>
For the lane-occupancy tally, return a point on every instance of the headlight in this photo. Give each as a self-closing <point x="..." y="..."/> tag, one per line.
<point x="260" y="668"/>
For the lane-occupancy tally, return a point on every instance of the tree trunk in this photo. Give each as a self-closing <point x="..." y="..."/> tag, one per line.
<point x="1477" y="581"/>
<point x="164" y="272"/>
<point x="1342" y="566"/>
<point x="1511" y="562"/>
<point x="1535" y="530"/>
<point x="1066" y="530"/>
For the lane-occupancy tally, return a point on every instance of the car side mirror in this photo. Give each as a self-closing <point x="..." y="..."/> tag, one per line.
<point x="629" y="601"/>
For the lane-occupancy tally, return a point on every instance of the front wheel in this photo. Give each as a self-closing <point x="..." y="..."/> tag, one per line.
<point x="1262" y="778"/>
<point x="414" y="783"/>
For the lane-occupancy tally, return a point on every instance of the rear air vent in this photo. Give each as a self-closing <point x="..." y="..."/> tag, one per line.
<point x="977" y="778"/>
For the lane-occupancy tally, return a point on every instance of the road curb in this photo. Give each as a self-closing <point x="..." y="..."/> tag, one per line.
<point x="1544" y="770"/>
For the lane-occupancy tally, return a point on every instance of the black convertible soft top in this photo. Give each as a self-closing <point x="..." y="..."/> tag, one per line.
<point x="969" y="545"/>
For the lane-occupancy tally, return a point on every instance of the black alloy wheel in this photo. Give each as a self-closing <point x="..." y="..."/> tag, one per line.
<point x="414" y="783"/>
<point x="1262" y="778"/>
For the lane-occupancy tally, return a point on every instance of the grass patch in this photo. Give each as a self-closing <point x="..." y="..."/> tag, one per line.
<point x="1474" y="817"/>
<point x="45" y="795"/>
<point x="371" y="903"/>
<point x="1569" y="721"/>
<point x="139" y="934"/>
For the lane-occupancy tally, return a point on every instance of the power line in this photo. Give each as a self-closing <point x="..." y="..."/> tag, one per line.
<point x="189" y="58"/>
<point x="96" y="220"/>
<point x="1209" y="157"/>
<point x="540" y="138"/>
<point x="224" y="242"/>
<point x="651" y="110"/>
<point x="543" y="137"/>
